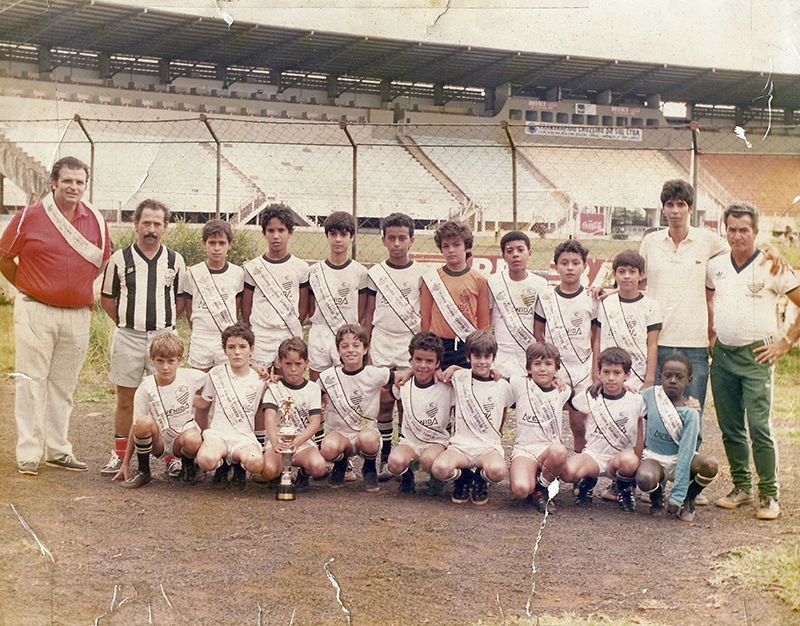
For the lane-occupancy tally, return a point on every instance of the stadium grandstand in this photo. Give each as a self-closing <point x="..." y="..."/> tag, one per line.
<point x="216" y="118"/>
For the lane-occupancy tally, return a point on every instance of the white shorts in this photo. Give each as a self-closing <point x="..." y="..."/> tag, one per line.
<point x="205" y="351"/>
<point x="417" y="446"/>
<point x="390" y="349"/>
<point x="510" y="362"/>
<point x="322" y="352"/>
<point x="668" y="461"/>
<point x="532" y="452"/>
<point x="265" y="349"/>
<point x="474" y="452"/>
<point x="602" y="461"/>
<point x="130" y="356"/>
<point x="305" y="446"/>
<point x="171" y="435"/>
<point x="233" y="441"/>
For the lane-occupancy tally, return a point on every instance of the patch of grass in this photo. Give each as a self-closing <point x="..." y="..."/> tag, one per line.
<point x="786" y="404"/>
<point x="570" y="619"/>
<point x="7" y="353"/>
<point x="775" y="570"/>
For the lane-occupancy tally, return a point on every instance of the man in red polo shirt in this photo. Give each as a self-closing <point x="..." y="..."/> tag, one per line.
<point x="60" y="245"/>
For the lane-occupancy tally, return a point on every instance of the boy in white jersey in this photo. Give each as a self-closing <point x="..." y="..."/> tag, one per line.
<point x="275" y="301"/>
<point x="306" y="416"/>
<point x="615" y="436"/>
<point x="481" y="404"/>
<point x="213" y="296"/>
<point x="564" y="318"/>
<point x="164" y="415"/>
<point x="539" y="456"/>
<point x="392" y="316"/>
<point x="338" y="293"/>
<point x="235" y="389"/>
<point x="512" y="298"/>
<point x="630" y="320"/>
<point x="423" y="435"/>
<point x="351" y="401"/>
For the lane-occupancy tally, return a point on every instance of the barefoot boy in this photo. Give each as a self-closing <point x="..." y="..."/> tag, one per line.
<point x="615" y="435"/>
<point x="236" y="391"/>
<point x="481" y="404"/>
<point x="671" y="439"/>
<point x="539" y="456"/>
<point x="455" y="297"/>
<point x="427" y="403"/>
<point x="164" y="414"/>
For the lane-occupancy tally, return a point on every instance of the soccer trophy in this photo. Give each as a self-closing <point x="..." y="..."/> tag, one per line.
<point x="286" y="435"/>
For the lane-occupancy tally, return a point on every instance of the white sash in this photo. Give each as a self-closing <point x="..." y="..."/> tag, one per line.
<point x="280" y="394"/>
<point x="623" y="337"/>
<point x="508" y="312"/>
<point x="545" y="414"/>
<point x="73" y="236"/>
<point x="228" y="400"/>
<point x="217" y="308"/>
<point x="266" y="282"/>
<point x="158" y="410"/>
<point x="557" y="331"/>
<point x="422" y="431"/>
<point x="476" y="419"/>
<point x="336" y="393"/>
<point x="613" y="433"/>
<point x="669" y="414"/>
<point x="325" y="300"/>
<point x="394" y="297"/>
<point x="460" y="325"/>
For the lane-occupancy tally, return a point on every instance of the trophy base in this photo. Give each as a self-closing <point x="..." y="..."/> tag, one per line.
<point x="285" y="492"/>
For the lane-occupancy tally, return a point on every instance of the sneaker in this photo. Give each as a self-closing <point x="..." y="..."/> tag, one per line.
<point x="371" y="481"/>
<point x="188" y="471"/>
<point x="408" y="483"/>
<point x="627" y="500"/>
<point x="539" y="498"/>
<point x="173" y="468"/>
<point x="29" y="468"/>
<point x="239" y="479"/>
<point x="137" y="479"/>
<point x="645" y="498"/>
<point x="480" y="489"/>
<point x="656" y="500"/>
<point x="462" y="487"/>
<point x="337" y="476"/>
<point x="383" y="472"/>
<point x="434" y="487"/>
<point x="767" y="508"/>
<point x="113" y="466"/>
<point x="611" y="493"/>
<point x="68" y="462"/>
<point x="220" y="480"/>
<point x="350" y="473"/>
<point x="702" y="500"/>
<point x="736" y="498"/>
<point x="585" y="489"/>
<point x="301" y="480"/>
<point x="686" y="512"/>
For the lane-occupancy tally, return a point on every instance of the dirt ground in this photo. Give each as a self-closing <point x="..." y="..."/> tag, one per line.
<point x="175" y="554"/>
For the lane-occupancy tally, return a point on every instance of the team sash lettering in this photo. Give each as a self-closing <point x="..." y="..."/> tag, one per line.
<point x="669" y="414"/>
<point x="449" y="309"/>
<point x="228" y="400"/>
<point x="547" y="416"/>
<point x="394" y="297"/>
<point x="472" y="412"/>
<point x="508" y="312"/>
<point x="220" y="311"/>
<point x="557" y="331"/>
<point x="613" y="433"/>
<point x="73" y="236"/>
<point x="278" y="300"/>
<point x="157" y="409"/>
<point x="325" y="300"/>
<point x="422" y="431"/>
<point x="280" y="394"/>
<point x="337" y="395"/>
<point x="623" y="336"/>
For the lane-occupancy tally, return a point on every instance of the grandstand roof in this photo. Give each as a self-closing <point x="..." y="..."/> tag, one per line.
<point x="133" y="36"/>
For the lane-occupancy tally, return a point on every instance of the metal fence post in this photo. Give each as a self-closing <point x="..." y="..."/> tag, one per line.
<point x="504" y="126"/>
<point x="206" y="121"/>
<point x="78" y="119"/>
<point x="343" y="126"/>
<point x="695" y="127"/>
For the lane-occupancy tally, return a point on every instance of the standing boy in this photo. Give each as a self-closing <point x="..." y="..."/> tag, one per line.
<point x="275" y="301"/>
<point x="513" y="293"/>
<point x="427" y="403"/>
<point x="163" y="410"/>
<point x="235" y="390"/>
<point x="392" y="315"/>
<point x="481" y="404"/>
<point x="564" y="317"/>
<point x="455" y="297"/>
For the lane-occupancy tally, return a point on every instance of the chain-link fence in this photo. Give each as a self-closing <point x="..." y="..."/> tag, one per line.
<point x="600" y="184"/>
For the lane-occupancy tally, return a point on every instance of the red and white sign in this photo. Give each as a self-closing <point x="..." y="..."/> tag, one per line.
<point x="593" y="224"/>
<point x="626" y="110"/>
<point x="543" y="105"/>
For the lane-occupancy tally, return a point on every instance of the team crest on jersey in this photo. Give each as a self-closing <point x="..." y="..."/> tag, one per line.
<point x="755" y="287"/>
<point x="343" y="290"/>
<point x="251" y="396"/>
<point x="169" y="276"/>
<point x="631" y="324"/>
<point x="529" y="298"/>
<point x="464" y="299"/>
<point x="432" y="409"/>
<point x="355" y="399"/>
<point x="405" y="290"/>
<point x="576" y="320"/>
<point x="286" y="285"/>
<point x="488" y="406"/>
<point x="182" y="394"/>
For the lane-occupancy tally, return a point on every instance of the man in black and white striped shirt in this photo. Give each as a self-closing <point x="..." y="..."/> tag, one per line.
<point x="143" y="293"/>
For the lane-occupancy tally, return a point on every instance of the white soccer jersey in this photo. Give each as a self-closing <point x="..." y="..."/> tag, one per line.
<point x="307" y="401"/>
<point x="290" y="273"/>
<point x="625" y="411"/>
<point x="353" y="397"/>
<point x="342" y="286"/>
<point x="247" y="390"/>
<point x="538" y="412"/>
<point x="174" y="401"/>
<point x="631" y="321"/>
<point x="426" y="411"/>
<point x="576" y="312"/>
<point x="408" y="280"/>
<point x="745" y="298"/>
<point x="479" y="411"/>
<point x="523" y="295"/>
<point x="145" y="289"/>
<point x="229" y="283"/>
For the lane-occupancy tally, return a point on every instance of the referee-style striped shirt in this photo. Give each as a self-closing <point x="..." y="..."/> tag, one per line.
<point x="145" y="289"/>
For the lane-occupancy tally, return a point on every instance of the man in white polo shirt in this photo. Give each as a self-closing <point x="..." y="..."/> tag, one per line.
<point x="745" y="294"/>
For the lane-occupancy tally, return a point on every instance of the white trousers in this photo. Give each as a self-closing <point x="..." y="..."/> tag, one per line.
<point x="51" y="344"/>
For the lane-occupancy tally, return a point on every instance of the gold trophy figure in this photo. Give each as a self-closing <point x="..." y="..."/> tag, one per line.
<point x="287" y="433"/>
